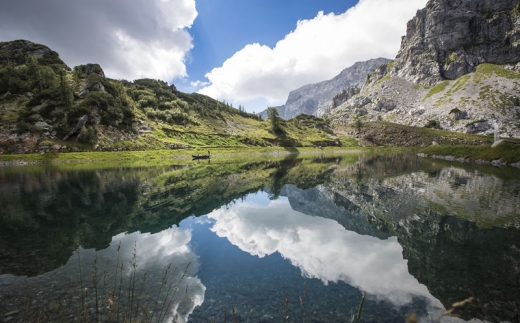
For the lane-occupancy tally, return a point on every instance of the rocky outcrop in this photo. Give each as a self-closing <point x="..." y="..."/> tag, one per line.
<point x="343" y="96"/>
<point x="458" y="68"/>
<point x="450" y="38"/>
<point x="81" y="123"/>
<point x="313" y="97"/>
<point x="473" y="103"/>
<point x="88" y="69"/>
<point x="26" y="47"/>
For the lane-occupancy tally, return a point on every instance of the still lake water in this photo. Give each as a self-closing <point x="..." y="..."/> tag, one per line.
<point x="272" y="240"/>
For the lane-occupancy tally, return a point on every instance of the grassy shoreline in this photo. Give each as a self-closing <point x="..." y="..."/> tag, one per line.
<point x="506" y="153"/>
<point x="161" y="155"/>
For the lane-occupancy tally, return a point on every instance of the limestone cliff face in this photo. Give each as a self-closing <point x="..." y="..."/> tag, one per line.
<point x="313" y="97"/>
<point x="458" y="68"/>
<point x="450" y="38"/>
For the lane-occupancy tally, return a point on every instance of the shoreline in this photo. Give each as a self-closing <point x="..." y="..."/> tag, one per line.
<point x="451" y="158"/>
<point x="159" y="155"/>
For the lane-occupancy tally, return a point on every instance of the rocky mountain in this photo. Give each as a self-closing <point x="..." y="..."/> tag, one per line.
<point x="450" y="38"/>
<point x="312" y="97"/>
<point x="457" y="69"/>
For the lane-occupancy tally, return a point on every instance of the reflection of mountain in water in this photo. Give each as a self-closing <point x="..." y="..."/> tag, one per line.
<point x="427" y="210"/>
<point x="456" y="260"/>
<point x="321" y="202"/>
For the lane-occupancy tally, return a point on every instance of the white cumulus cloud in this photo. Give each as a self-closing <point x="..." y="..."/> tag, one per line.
<point x="129" y="38"/>
<point x="317" y="50"/>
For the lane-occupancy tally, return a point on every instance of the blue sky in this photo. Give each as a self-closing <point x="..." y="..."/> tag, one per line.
<point x="246" y="52"/>
<point x="223" y="27"/>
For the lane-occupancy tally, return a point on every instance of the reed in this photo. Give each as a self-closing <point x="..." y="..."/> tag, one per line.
<point x="286" y="308"/>
<point x="112" y="295"/>
<point x="304" y="314"/>
<point x="94" y="280"/>
<point x="164" y="282"/>
<point x="361" y="305"/>
<point x="131" y="285"/>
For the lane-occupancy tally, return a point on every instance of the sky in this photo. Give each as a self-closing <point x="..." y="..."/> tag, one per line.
<point x="245" y="52"/>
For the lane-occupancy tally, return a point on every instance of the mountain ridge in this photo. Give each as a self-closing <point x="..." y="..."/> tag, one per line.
<point x="310" y="98"/>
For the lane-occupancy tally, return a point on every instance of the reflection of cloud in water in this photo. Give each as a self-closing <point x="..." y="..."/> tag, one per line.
<point x="155" y="252"/>
<point x="322" y="249"/>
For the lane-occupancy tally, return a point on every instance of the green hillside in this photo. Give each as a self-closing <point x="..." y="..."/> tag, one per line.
<point x="51" y="106"/>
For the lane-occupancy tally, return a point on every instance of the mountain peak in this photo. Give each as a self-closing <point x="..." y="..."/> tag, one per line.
<point x="315" y="98"/>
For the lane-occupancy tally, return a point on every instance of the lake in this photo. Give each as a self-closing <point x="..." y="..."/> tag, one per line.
<point x="358" y="237"/>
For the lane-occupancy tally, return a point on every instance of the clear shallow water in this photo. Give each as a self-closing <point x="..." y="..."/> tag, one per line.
<point x="255" y="242"/>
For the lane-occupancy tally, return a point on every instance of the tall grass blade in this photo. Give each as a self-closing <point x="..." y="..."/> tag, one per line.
<point x="361" y="305"/>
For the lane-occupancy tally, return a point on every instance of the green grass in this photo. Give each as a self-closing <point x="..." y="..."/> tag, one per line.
<point x="506" y="152"/>
<point x="459" y="84"/>
<point x="138" y="158"/>
<point x="486" y="69"/>
<point x="438" y="88"/>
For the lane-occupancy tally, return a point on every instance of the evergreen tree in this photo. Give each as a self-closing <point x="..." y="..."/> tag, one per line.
<point x="34" y="70"/>
<point x="66" y="93"/>
<point x="272" y="114"/>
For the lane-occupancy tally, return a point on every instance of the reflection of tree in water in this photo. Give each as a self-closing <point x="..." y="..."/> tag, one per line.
<point x="48" y="212"/>
<point x="137" y="276"/>
<point x="303" y="175"/>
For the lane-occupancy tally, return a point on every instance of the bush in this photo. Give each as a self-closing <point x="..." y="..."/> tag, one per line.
<point x="17" y="86"/>
<point x="433" y="124"/>
<point x="150" y="113"/>
<point x="147" y="101"/>
<point x="92" y="80"/>
<point x="168" y="105"/>
<point x="101" y="100"/>
<point x="455" y="110"/>
<point x="48" y="94"/>
<point x="23" y="126"/>
<point x="88" y="135"/>
<point x="61" y="128"/>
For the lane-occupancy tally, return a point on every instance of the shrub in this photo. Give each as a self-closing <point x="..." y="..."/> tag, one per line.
<point x="455" y="110"/>
<point x="150" y="113"/>
<point x="147" y="101"/>
<point x="92" y="80"/>
<point x="433" y="124"/>
<point x="88" y="135"/>
<point x="99" y="99"/>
